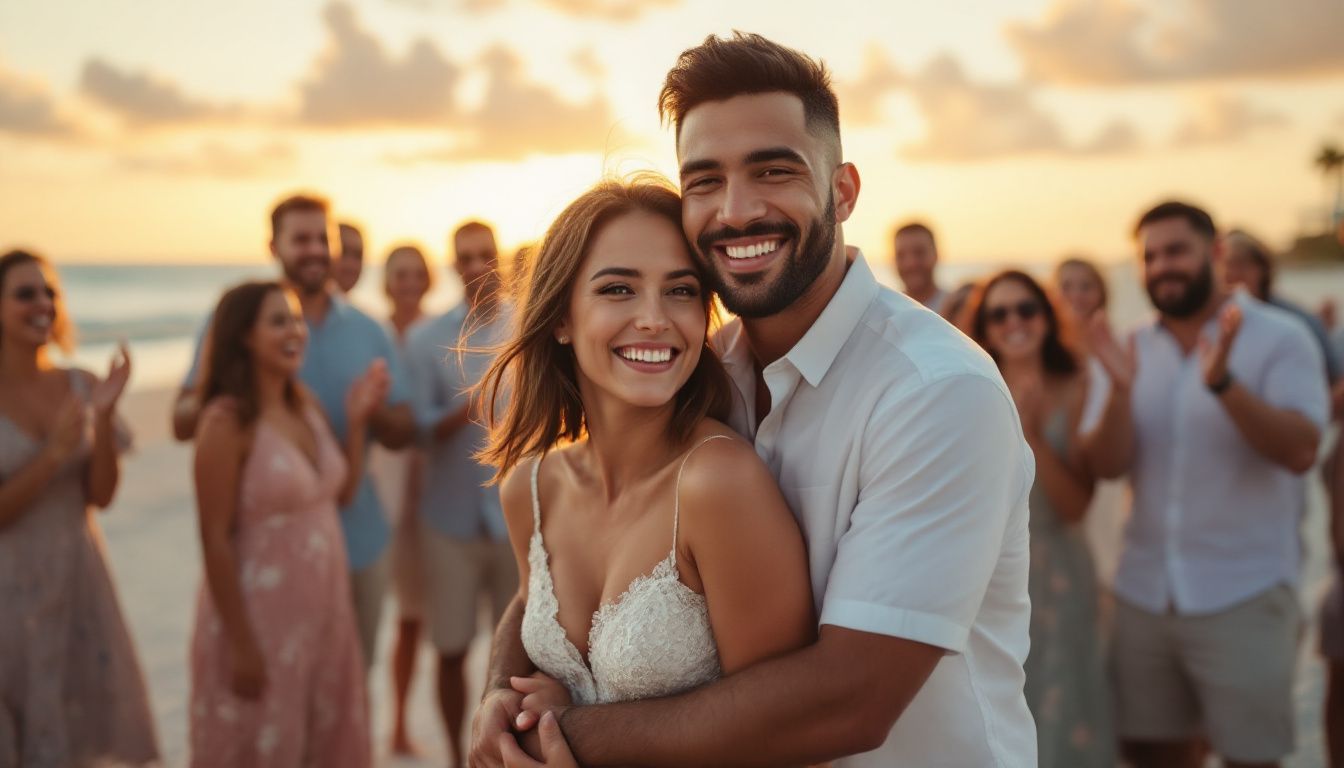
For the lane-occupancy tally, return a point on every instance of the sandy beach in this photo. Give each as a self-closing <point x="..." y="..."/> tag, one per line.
<point x="151" y="539"/>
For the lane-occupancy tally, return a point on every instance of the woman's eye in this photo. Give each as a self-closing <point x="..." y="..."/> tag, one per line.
<point x="685" y="290"/>
<point x="615" y="289"/>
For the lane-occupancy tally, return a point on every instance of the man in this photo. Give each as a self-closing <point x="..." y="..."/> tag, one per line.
<point x="342" y="343"/>
<point x="465" y="546"/>
<point x="350" y="264"/>
<point x="916" y="260"/>
<point x="893" y="438"/>
<point x="1214" y="414"/>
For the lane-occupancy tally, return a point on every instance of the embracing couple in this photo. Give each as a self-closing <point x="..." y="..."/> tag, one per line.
<point x="809" y="545"/>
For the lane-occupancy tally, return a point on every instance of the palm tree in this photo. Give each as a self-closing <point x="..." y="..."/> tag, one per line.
<point x="1331" y="161"/>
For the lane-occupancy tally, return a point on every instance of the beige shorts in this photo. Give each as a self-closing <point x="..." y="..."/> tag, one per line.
<point x="1228" y="675"/>
<point x="458" y="574"/>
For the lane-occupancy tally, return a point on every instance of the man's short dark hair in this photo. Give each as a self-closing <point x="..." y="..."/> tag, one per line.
<point x="301" y="202"/>
<point x="1197" y="217"/>
<point x="472" y="226"/>
<point x="719" y="69"/>
<point x="916" y="227"/>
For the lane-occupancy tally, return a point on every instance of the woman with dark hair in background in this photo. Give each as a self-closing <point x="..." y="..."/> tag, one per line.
<point x="71" y="689"/>
<point x="1013" y="318"/>
<point x="276" y="667"/>
<point x="406" y="280"/>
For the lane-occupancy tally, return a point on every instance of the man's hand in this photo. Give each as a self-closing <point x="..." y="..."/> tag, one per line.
<point x="554" y="749"/>
<point x="493" y="723"/>
<point x="1213" y="356"/>
<point x="541" y="694"/>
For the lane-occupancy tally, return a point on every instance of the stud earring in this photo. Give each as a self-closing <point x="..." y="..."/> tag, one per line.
<point x="563" y="339"/>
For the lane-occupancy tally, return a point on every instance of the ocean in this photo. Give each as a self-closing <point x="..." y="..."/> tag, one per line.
<point x="159" y="309"/>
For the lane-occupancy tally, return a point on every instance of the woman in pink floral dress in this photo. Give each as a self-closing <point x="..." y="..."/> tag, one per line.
<point x="277" y="677"/>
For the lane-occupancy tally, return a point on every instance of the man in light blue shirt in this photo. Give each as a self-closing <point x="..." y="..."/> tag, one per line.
<point x="465" y="544"/>
<point x="342" y="343"/>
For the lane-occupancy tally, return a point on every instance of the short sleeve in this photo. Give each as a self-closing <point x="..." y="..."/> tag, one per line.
<point x="944" y="475"/>
<point x="189" y="381"/>
<point x="1295" y="376"/>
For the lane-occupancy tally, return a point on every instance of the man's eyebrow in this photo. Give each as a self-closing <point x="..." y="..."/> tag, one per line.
<point x="618" y="271"/>
<point x="775" y="153"/>
<point x="696" y="166"/>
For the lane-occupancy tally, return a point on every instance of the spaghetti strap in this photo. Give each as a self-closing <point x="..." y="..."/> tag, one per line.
<point x="676" y="504"/>
<point x="536" y="498"/>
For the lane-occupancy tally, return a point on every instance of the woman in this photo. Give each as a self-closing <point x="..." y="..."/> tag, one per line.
<point x="655" y="550"/>
<point x="1014" y="320"/>
<point x="406" y="281"/>
<point x="277" y="677"/>
<point x="71" y="690"/>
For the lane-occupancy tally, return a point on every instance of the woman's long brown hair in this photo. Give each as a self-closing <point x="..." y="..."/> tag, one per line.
<point x="536" y="374"/>
<point x="229" y="369"/>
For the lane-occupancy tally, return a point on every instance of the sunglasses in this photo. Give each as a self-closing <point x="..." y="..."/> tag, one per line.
<point x="29" y="293"/>
<point x="1027" y="310"/>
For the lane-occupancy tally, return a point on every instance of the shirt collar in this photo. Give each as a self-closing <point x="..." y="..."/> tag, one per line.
<point x="814" y="354"/>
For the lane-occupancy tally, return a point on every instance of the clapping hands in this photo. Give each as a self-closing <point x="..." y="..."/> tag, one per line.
<point x="107" y="392"/>
<point x="367" y="393"/>
<point x="1120" y="362"/>
<point x="1213" y="355"/>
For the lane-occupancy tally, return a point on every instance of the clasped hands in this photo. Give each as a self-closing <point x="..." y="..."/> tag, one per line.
<point x="517" y="723"/>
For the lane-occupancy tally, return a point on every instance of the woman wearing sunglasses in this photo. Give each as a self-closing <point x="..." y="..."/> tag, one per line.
<point x="71" y="690"/>
<point x="1013" y="318"/>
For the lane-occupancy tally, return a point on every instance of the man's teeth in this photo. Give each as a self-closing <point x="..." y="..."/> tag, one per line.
<point x="751" y="251"/>
<point x="646" y="355"/>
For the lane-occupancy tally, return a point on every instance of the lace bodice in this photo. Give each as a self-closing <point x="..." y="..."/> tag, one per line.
<point x="653" y="640"/>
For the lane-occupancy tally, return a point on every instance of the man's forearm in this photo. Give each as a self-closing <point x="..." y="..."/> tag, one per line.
<point x="1285" y="437"/>
<point x="394" y="426"/>
<point x="508" y="658"/>
<point x="809" y="706"/>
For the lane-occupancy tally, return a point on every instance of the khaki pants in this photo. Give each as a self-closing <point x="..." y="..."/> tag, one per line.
<point x="458" y="574"/>
<point x="368" y="587"/>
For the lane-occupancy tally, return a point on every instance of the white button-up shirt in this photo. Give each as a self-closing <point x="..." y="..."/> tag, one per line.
<point x="899" y="449"/>
<point x="1214" y="522"/>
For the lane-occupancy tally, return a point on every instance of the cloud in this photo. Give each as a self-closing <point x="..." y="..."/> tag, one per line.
<point x="357" y="83"/>
<point x="967" y="121"/>
<point x="143" y="99"/>
<point x="1115" y="42"/>
<point x="861" y="99"/>
<point x="27" y="110"/>
<point x="518" y="118"/>
<point x="219" y="160"/>
<point x="604" y="10"/>
<point x="1223" y="119"/>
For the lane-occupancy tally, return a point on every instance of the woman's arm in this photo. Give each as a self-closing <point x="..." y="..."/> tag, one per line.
<point x="746" y="549"/>
<point x="1064" y="477"/>
<point x="221" y="447"/>
<point x="19" y="489"/>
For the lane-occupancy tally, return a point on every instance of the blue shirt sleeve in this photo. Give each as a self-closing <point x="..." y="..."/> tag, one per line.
<point x="400" y="391"/>
<point x="424" y="366"/>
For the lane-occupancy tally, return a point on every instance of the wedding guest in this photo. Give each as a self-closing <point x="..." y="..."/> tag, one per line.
<point x="1016" y="322"/>
<point x="349" y="263"/>
<point x="1214" y="413"/>
<point x="954" y="306"/>
<point x="276" y="667"/>
<point x="342" y="343"/>
<point x="71" y="688"/>
<point x="1079" y="282"/>
<point x="464" y="543"/>
<point x="916" y="260"/>
<point x="397" y="474"/>
<point x="1249" y="263"/>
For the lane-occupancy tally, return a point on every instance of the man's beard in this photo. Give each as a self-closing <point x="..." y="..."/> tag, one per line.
<point x="806" y="262"/>
<point x="1192" y="300"/>
<point x="295" y="276"/>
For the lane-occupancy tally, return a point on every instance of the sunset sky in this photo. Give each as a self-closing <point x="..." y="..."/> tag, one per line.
<point x="1022" y="129"/>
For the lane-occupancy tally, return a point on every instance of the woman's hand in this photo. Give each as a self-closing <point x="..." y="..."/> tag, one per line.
<point x="248" y="676"/>
<point x="68" y="429"/>
<point x="541" y="694"/>
<point x="107" y="392"/>
<point x="367" y="393"/>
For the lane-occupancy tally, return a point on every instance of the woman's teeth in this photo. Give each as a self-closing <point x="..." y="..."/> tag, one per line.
<point x="41" y="323"/>
<point x="646" y="355"/>
<point x="751" y="251"/>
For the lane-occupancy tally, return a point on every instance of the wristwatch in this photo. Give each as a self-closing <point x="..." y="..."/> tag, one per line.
<point x="1220" y="386"/>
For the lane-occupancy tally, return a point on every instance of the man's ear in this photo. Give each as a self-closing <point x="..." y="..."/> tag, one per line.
<point x="845" y="186"/>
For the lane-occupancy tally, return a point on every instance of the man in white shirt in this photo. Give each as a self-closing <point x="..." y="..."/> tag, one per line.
<point x="916" y="260"/>
<point x="893" y="438"/>
<point x="1215" y="411"/>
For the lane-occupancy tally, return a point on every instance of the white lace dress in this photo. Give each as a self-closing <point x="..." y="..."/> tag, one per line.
<point x="654" y="640"/>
